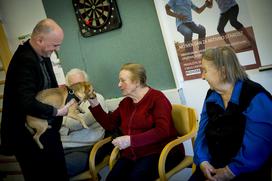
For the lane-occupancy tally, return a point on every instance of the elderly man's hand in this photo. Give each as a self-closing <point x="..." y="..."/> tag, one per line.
<point x="122" y="142"/>
<point x="64" y="110"/>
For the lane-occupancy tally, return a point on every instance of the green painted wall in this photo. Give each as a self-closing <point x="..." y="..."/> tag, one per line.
<point x="138" y="40"/>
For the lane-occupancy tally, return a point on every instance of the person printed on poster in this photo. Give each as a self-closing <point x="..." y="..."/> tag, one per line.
<point x="229" y="11"/>
<point x="182" y="11"/>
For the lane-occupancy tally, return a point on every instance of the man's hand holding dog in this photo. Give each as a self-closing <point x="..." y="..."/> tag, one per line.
<point x="64" y="110"/>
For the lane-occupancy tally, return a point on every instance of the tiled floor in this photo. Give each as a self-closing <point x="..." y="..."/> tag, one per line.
<point x="10" y="169"/>
<point x="13" y="166"/>
<point x="14" y="178"/>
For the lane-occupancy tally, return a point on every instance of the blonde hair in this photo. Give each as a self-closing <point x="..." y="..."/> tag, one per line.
<point x="74" y="71"/>
<point x="227" y="63"/>
<point x="138" y="72"/>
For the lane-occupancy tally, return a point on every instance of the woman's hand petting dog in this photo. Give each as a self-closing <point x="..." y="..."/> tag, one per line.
<point x="93" y="102"/>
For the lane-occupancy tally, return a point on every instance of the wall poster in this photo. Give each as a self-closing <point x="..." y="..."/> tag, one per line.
<point x="187" y="36"/>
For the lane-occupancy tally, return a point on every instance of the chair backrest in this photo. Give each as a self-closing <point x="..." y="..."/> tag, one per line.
<point x="184" y="118"/>
<point x="185" y="122"/>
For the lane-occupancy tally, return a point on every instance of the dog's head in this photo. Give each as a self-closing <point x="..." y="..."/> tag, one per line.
<point x="83" y="90"/>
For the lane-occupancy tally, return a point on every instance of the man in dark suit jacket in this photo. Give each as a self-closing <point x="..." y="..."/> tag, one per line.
<point x="29" y="72"/>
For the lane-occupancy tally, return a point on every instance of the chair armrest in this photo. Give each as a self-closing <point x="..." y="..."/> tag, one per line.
<point x="187" y="160"/>
<point x="194" y="169"/>
<point x="96" y="147"/>
<point x="115" y="154"/>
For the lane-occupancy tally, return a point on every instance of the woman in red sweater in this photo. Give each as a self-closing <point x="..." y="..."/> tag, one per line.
<point x="144" y="118"/>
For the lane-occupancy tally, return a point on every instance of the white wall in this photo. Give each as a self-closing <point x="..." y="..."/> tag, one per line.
<point x="259" y="12"/>
<point x="256" y="14"/>
<point x="19" y="18"/>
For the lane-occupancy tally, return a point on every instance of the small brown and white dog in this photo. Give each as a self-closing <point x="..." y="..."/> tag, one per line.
<point x="57" y="97"/>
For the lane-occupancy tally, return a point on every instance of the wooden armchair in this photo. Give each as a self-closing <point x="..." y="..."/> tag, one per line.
<point x="92" y="173"/>
<point x="185" y="121"/>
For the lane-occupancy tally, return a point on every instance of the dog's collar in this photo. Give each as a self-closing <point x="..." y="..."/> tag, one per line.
<point x="71" y="95"/>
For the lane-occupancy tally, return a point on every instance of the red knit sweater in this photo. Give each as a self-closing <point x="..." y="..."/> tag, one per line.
<point x="148" y="122"/>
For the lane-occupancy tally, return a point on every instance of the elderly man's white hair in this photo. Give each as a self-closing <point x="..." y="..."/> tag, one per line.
<point x="73" y="72"/>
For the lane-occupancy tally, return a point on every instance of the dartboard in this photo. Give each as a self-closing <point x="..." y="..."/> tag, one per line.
<point x="96" y="16"/>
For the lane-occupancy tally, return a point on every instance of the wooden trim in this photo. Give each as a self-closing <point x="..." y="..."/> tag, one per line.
<point x="5" y="53"/>
<point x="265" y="67"/>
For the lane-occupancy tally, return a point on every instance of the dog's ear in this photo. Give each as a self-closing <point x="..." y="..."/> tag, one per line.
<point x="89" y="90"/>
<point x="86" y="86"/>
